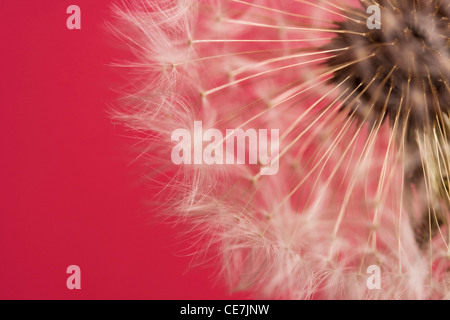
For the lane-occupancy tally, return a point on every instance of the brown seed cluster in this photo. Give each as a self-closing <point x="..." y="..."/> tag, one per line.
<point x="402" y="69"/>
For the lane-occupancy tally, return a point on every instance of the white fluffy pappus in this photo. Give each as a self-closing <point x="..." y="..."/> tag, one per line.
<point x="343" y="198"/>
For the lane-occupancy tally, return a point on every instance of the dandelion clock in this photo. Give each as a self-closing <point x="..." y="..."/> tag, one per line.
<point x="303" y="143"/>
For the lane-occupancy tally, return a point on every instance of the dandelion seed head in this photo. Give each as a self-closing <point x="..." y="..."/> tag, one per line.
<point x="363" y="119"/>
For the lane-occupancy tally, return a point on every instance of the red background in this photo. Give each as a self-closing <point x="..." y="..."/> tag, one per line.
<point x="68" y="193"/>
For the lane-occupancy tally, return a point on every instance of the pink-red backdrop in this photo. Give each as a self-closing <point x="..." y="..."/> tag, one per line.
<point x="68" y="193"/>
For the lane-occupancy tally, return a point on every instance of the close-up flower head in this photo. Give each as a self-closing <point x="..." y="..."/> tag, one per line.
<point x="304" y="144"/>
<point x="224" y="158"/>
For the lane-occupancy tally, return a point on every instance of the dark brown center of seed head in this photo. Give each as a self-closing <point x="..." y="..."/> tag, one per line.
<point x="400" y="71"/>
